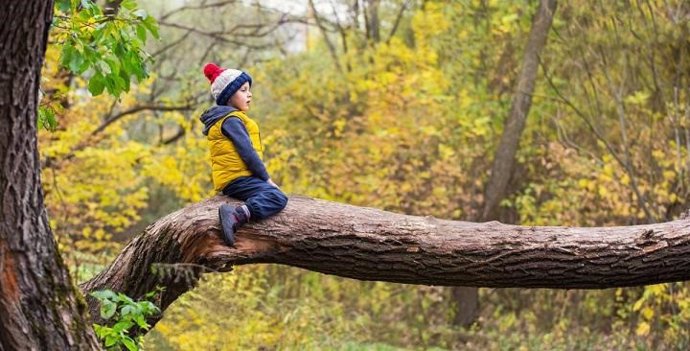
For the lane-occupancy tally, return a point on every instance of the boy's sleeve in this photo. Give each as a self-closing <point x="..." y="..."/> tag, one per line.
<point x="235" y="131"/>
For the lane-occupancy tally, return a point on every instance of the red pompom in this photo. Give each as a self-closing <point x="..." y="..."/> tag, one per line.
<point x="211" y="71"/>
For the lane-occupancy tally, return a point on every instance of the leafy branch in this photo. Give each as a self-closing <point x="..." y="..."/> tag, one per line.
<point x="127" y="314"/>
<point x="107" y="48"/>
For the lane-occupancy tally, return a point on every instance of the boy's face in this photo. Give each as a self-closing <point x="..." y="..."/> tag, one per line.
<point x="241" y="98"/>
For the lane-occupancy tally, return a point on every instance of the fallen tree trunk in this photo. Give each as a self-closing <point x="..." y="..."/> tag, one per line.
<point x="369" y="244"/>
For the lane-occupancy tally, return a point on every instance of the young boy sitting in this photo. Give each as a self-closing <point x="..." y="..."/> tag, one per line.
<point x="236" y="152"/>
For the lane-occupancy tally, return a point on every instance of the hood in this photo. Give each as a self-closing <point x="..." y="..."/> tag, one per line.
<point x="213" y="115"/>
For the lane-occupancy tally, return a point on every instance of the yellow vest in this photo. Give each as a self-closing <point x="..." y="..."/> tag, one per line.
<point x="226" y="163"/>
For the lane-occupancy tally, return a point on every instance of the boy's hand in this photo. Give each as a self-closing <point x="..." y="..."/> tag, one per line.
<point x="270" y="181"/>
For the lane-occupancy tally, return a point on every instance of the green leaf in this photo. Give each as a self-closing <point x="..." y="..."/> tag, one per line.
<point x="127" y="310"/>
<point x="108" y="309"/>
<point x="149" y="295"/>
<point x="110" y="340"/>
<point x="100" y="330"/>
<point x="149" y="307"/>
<point x="124" y="298"/>
<point x="114" y="65"/>
<point x="129" y="64"/>
<point x="96" y="84"/>
<point x="130" y="344"/>
<point x="111" y="86"/>
<point x="129" y="4"/>
<point x="141" y="33"/>
<point x="151" y="25"/>
<point x="126" y="36"/>
<point x="66" y="54"/>
<point x="76" y="62"/>
<point x="118" y="84"/>
<point x="63" y="5"/>
<point x="102" y="295"/>
<point x="141" y="321"/>
<point x="98" y="35"/>
<point x="91" y="55"/>
<point x="122" y="326"/>
<point x="83" y="15"/>
<point x="46" y="118"/>
<point x="71" y="58"/>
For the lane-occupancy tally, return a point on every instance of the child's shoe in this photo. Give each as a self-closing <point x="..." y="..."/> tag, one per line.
<point x="231" y="219"/>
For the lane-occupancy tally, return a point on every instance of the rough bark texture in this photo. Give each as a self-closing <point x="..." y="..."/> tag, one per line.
<point x="368" y="244"/>
<point x="504" y="160"/>
<point x="39" y="307"/>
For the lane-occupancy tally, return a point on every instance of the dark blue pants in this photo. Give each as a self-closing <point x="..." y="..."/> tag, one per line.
<point x="262" y="199"/>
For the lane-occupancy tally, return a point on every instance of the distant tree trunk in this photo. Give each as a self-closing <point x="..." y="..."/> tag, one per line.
<point x="373" y="23"/>
<point x="504" y="160"/>
<point x="40" y="309"/>
<point x="467" y="300"/>
<point x="369" y="244"/>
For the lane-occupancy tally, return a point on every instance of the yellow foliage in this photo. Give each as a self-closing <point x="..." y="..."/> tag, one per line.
<point x="642" y="329"/>
<point x="97" y="183"/>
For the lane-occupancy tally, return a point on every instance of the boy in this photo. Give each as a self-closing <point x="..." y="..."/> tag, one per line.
<point x="236" y="152"/>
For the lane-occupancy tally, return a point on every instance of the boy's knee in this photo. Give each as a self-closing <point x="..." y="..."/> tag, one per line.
<point x="282" y="199"/>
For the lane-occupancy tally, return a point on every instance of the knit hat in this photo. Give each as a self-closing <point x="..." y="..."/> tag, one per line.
<point x="225" y="82"/>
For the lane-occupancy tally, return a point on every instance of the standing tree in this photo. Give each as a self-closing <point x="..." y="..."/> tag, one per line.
<point x="40" y="308"/>
<point x="504" y="160"/>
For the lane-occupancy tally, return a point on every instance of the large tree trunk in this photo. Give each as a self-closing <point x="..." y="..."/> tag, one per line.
<point x="368" y="244"/>
<point x="503" y="166"/>
<point x="40" y="309"/>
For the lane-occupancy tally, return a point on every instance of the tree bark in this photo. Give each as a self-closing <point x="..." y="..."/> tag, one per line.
<point x="40" y="308"/>
<point x="504" y="159"/>
<point x="369" y="244"/>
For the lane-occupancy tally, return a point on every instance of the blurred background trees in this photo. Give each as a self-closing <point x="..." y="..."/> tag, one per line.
<point x="398" y="105"/>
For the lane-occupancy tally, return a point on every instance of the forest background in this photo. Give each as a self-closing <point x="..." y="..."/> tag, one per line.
<point x="397" y="105"/>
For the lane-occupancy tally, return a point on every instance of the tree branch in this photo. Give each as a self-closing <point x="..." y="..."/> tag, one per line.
<point x="136" y="109"/>
<point x="327" y="40"/>
<point x="399" y="17"/>
<point x="369" y="244"/>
